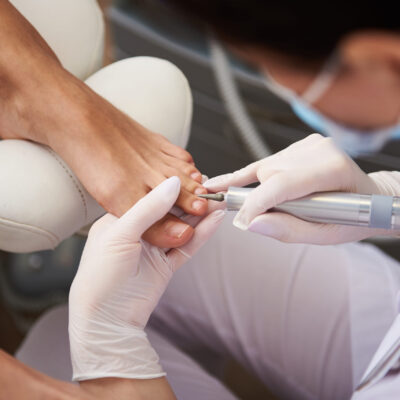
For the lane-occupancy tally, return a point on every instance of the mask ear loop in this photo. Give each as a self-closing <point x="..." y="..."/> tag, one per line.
<point x="316" y="88"/>
<point x="323" y="80"/>
<point x="281" y="91"/>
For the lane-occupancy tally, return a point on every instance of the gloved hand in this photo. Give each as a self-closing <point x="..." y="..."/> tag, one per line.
<point x="314" y="164"/>
<point x="119" y="282"/>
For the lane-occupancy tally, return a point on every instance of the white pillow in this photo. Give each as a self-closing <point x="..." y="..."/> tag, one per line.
<point x="41" y="201"/>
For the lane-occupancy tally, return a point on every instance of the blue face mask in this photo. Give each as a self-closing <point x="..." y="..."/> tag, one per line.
<point x="353" y="141"/>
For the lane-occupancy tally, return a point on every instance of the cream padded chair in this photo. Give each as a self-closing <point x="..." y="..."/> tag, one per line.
<point x="42" y="202"/>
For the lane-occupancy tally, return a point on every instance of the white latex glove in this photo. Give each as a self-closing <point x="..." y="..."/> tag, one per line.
<point x="314" y="164"/>
<point x="119" y="282"/>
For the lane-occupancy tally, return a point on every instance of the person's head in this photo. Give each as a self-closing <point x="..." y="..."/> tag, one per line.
<point x="293" y="40"/>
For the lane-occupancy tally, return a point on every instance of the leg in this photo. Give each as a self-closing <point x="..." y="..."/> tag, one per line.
<point x="47" y="349"/>
<point x="298" y="316"/>
<point x="74" y="29"/>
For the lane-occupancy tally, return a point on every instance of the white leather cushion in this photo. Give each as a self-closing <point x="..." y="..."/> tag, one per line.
<point x="163" y="85"/>
<point x="74" y="29"/>
<point x="41" y="200"/>
<point x="39" y="196"/>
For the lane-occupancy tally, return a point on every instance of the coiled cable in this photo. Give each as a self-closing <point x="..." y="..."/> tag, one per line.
<point x="229" y="91"/>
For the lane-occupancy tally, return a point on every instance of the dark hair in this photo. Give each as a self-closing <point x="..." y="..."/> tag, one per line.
<point x="303" y="29"/>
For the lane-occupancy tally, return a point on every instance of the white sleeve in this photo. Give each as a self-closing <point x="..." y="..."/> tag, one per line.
<point x="388" y="182"/>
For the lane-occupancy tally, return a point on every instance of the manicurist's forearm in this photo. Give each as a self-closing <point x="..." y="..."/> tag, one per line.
<point x="17" y="381"/>
<point x="129" y="389"/>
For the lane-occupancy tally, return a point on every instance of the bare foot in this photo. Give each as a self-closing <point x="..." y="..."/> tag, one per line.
<point x="116" y="159"/>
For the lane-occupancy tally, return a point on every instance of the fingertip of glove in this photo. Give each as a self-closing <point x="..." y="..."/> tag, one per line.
<point x="170" y="187"/>
<point x="216" y="182"/>
<point x="264" y="227"/>
<point x="173" y="183"/>
<point x="240" y="225"/>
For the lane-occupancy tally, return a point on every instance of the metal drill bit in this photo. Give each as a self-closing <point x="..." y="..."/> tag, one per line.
<point x="214" y="196"/>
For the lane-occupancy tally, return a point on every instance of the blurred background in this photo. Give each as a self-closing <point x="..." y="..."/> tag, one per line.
<point x="31" y="283"/>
